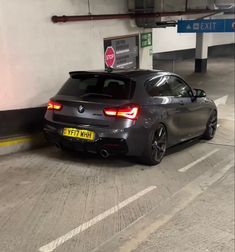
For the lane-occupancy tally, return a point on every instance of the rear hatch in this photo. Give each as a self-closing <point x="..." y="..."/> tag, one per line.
<point x="84" y="97"/>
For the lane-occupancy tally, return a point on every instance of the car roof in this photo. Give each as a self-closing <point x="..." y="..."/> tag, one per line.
<point x="131" y="74"/>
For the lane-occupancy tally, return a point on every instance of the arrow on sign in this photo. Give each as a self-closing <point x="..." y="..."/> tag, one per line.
<point x="221" y="100"/>
<point x="188" y="27"/>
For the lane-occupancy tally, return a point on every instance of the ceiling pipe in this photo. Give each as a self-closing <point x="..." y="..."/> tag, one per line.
<point x="63" y="19"/>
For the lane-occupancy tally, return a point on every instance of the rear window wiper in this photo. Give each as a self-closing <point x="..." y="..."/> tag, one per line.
<point x="96" y="94"/>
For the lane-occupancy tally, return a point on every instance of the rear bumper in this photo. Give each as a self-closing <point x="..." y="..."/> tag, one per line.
<point x="115" y="141"/>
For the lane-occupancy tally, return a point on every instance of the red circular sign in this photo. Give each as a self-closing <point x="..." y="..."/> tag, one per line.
<point x="109" y="56"/>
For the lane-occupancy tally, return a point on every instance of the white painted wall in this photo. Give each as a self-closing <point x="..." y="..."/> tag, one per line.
<point x="167" y="39"/>
<point x="36" y="55"/>
<point x="221" y="39"/>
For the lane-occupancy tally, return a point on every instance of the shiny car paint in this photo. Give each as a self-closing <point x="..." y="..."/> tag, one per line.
<point x="183" y="117"/>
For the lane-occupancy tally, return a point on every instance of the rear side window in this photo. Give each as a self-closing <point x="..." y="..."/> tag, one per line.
<point x="158" y="86"/>
<point x="98" y="86"/>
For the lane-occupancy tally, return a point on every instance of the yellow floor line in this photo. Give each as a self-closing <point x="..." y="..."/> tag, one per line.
<point x="15" y="141"/>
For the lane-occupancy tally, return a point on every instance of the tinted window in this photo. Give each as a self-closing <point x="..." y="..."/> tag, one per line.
<point x="98" y="86"/>
<point x="159" y="87"/>
<point x="179" y="88"/>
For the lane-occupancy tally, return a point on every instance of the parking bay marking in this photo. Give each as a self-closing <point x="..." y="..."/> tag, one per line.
<point x="61" y="240"/>
<point x="187" y="167"/>
<point x="179" y="202"/>
<point x="221" y="101"/>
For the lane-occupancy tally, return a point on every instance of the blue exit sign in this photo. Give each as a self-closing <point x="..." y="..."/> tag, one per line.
<point x="206" y="25"/>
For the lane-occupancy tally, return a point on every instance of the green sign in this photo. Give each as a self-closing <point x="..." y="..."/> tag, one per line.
<point x="146" y="39"/>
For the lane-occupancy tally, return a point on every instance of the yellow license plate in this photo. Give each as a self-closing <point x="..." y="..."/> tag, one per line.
<point x="79" y="133"/>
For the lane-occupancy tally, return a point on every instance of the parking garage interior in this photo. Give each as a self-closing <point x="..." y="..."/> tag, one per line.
<point x="56" y="200"/>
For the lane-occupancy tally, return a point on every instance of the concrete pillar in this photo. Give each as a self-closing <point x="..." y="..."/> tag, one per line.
<point x="201" y="53"/>
<point x="146" y="58"/>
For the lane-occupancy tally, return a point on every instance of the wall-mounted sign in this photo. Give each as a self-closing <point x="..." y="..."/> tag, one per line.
<point x="121" y="52"/>
<point x="146" y="39"/>
<point x="109" y="56"/>
<point x="206" y="25"/>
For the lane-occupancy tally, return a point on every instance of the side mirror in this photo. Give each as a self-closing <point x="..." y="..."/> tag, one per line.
<point x="199" y="93"/>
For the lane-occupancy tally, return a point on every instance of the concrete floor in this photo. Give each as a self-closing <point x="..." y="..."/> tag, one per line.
<point x="55" y="201"/>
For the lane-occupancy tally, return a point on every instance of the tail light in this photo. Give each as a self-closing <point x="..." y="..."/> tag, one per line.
<point x="54" y="106"/>
<point x="130" y="111"/>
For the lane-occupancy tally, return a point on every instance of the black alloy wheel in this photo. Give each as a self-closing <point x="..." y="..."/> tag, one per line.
<point x="211" y="126"/>
<point x="157" y="146"/>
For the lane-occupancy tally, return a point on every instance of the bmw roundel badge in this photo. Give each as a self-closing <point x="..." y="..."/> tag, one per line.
<point x="81" y="109"/>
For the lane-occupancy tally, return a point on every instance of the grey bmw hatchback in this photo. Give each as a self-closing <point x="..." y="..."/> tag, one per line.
<point x="136" y="113"/>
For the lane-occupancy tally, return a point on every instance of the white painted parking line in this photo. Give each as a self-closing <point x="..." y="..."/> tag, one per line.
<point x="179" y="201"/>
<point x="185" y="168"/>
<point x="221" y="101"/>
<point x="59" y="241"/>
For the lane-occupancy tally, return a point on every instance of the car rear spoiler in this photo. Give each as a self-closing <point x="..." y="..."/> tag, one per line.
<point x="74" y="74"/>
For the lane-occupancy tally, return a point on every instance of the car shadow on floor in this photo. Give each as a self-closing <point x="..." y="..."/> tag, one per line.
<point x="91" y="159"/>
<point x="182" y="146"/>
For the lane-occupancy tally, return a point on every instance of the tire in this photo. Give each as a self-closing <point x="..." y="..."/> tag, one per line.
<point x="211" y="126"/>
<point x="156" y="146"/>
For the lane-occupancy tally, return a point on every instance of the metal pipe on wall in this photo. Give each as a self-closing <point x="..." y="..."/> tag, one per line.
<point x="64" y="18"/>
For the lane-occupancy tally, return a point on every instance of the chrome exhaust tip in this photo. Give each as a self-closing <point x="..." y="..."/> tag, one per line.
<point x="104" y="153"/>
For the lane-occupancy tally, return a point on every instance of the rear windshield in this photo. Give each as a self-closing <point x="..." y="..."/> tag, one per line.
<point x="98" y="86"/>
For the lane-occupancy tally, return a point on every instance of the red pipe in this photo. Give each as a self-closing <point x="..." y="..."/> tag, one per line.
<point x="63" y="19"/>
